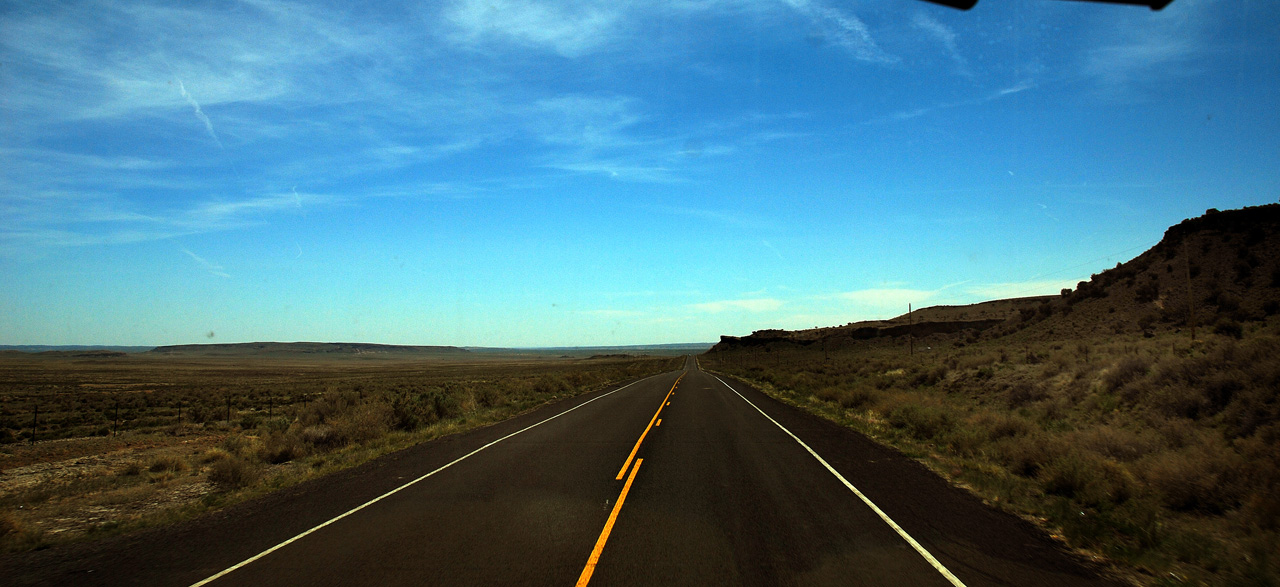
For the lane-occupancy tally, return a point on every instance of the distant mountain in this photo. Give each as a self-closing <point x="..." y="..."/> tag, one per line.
<point x="681" y="348"/>
<point x="934" y="320"/>
<point x="42" y="348"/>
<point x="304" y="348"/>
<point x="1216" y="272"/>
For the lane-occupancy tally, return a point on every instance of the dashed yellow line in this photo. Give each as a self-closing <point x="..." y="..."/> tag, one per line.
<point x="622" y="472"/>
<point x="585" y="577"/>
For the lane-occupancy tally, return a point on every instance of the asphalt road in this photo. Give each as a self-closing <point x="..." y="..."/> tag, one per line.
<point x="677" y="479"/>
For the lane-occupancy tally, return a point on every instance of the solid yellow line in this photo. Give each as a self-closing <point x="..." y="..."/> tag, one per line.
<point x="636" y="448"/>
<point x="585" y="577"/>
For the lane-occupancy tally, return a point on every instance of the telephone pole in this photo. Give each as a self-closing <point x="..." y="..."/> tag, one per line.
<point x="1191" y="300"/>
<point x="911" y="326"/>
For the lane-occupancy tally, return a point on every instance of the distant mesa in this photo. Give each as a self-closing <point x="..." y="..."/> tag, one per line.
<point x="1215" y="273"/>
<point x="304" y="348"/>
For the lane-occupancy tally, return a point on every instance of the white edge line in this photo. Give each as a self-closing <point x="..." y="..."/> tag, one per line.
<point x="883" y="516"/>
<point x="396" y="490"/>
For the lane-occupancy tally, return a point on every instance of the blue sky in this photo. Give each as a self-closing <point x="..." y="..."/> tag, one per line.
<point x="512" y="173"/>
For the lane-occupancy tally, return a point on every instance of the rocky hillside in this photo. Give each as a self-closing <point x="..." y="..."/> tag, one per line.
<point x="1217" y="272"/>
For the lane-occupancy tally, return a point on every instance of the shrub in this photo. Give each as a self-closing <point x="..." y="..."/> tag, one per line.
<point x="323" y="436"/>
<point x="409" y="411"/>
<point x="9" y="525"/>
<point x="1025" y="456"/>
<point x="1117" y="443"/>
<point x="1128" y="369"/>
<point x="281" y="447"/>
<point x="856" y="397"/>
<point x="549" y="384"/>
<point x="488" y="397"/>
<point x="930" y="377"/>
<point x="1004" y="426"/>
<point x="1068" y="475"/>
<point x="232" y="473"/>
<point x="235" y="444"/>
<point x="922" y="422"/>
<point x="365" y="422"/>
<point x="1199" y="478"/>
<point x="1023" y="393"/>
<point x="250" y="421"/>
<point x="131" y="468"/>
<point x="444" y="404"/>
<point x="167" y="463"/>
<point x="214" y="455"/>
<point x="1147" y="292"/>
<point x="1228" y="327"/>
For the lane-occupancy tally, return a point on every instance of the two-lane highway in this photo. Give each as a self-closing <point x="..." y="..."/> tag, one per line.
<point x="680" y="478"/>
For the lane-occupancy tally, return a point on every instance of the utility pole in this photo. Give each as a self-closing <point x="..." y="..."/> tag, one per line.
<point x="911" y="326"/>
<point x="35" y="422"/>
<point x="1191" y="300"/>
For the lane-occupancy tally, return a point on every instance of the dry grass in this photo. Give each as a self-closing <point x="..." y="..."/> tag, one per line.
<point x="290" y="421"/>
<point x="1162" y="455"/>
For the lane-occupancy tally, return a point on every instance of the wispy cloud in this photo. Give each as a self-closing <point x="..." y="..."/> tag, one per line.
<point x="751" y="305"/>
<point x="844" y="30"/>
<point x="570" y="29"/>
<point x="944" y="36"/>
<point x="621" y="170"/>
<point x="1018" y="289"/>
<point x="1128" y="55"/>
<point x="207" y="266"/>
<point x="886" y="297"/>
<point x="901" y="115"/>
<point x="208" y="125"/>
<point x="62" y="219"/>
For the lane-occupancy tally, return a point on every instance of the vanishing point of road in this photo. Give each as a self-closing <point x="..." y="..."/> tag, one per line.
<point x="683" y="478"/>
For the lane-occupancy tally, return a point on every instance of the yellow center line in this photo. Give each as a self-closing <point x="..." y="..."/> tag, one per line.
<point x="659" y="422"/>
<point x="585" y="577"/>
<point x="631" y="456"/>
